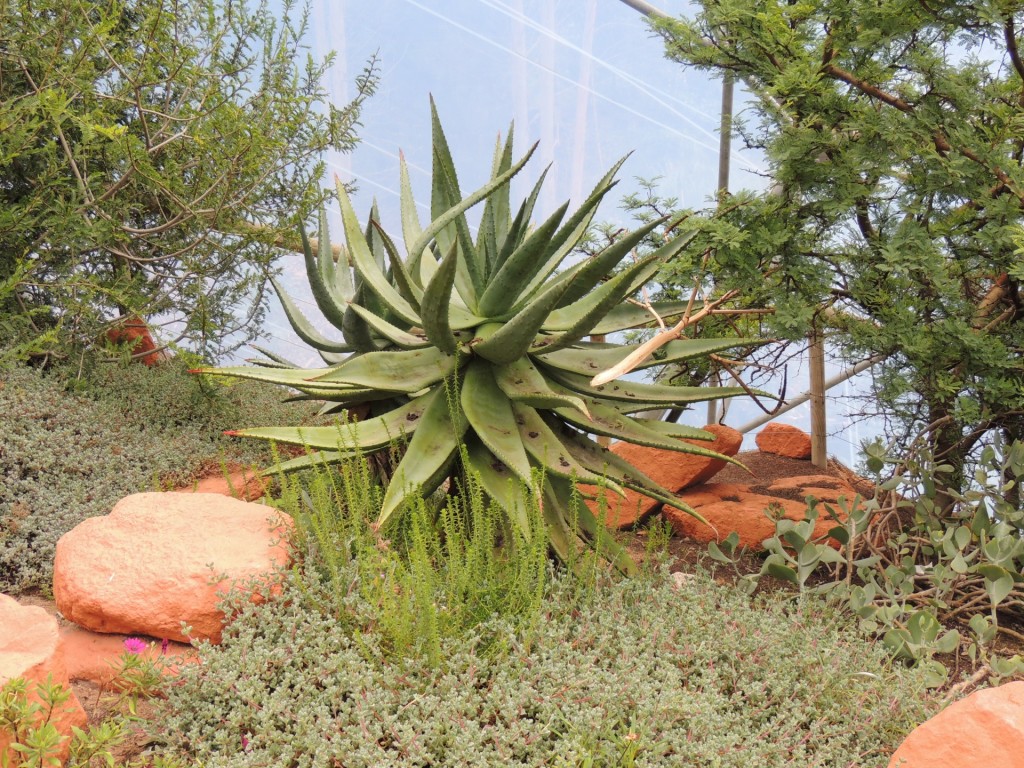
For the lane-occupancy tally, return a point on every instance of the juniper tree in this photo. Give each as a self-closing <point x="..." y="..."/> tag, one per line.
<point x="894" y="134"/>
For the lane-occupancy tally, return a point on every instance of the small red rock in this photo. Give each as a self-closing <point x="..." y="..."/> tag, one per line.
<point x="239" y="483"/>
<point x="784" y="440"/>
<point x="160" y="559"/>
<point x="134" y="332"/>
<point x="670" y="469"/>
<point x="97" y="657"/>
<point x="30" y="649"/>
<point x="984" y="729"/>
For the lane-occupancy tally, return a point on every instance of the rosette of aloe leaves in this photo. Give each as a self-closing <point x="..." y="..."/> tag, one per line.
<point x="473" y="352"/>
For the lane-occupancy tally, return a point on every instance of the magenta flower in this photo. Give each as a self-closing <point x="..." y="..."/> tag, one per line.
<point x="134" y="645"/>
<point x="245" y="741"/>
<point x="163" y="646"/>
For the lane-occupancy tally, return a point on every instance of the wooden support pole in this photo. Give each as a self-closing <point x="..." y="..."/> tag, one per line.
<point x="816" y="364"/>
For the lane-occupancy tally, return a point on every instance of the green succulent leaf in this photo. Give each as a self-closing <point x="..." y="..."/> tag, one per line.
<point x="400" y="371"/>
<point x="644" y="395"/>
<point x="489" y="413"/>
<point x="331" y="305"/>
<point x="503" y="290"/>
<point x="353" y="437"/>
<point x="366" y="265"/>
<point x="302" y="327"/>
<point x="392" y="333"/>
<point x="436" y="298"/>
<point x="434" y="445"/>
<point x="587" y="359"/>
<point x="499" y="483"/>
<point x="522" y="382"/>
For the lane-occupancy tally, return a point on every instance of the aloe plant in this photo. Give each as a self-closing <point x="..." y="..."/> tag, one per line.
<point x="474" y="352"/>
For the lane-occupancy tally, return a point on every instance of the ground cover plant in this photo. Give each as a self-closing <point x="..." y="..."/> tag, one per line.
<point x="601" y="671"/>
<point x="71" y="447"/>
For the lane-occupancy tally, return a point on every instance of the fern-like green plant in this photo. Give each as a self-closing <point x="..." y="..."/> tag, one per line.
<point x="475" y="350"/>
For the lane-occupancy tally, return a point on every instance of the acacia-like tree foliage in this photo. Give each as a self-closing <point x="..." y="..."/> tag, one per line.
<point x="894" y="131"/>
<point x="151" y="154"/>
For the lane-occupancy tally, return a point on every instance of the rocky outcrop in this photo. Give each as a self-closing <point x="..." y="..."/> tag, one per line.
<point x="234" y="481"/>
<point x="133" y="332"/>
<point x="984" y="729"/>
<point x="96" y="657"/>
<point x="784" y="440"/>
<point x="159" y="560"/>
<point x="30" y="649"/>
<point x="670" y="469"/>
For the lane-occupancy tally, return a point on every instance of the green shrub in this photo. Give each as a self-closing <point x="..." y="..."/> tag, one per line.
<point x="71" y="448"/>
<point x="631" y="671"/>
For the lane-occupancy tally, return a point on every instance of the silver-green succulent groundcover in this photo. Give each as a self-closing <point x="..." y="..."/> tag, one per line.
<point x="473" y="352"/>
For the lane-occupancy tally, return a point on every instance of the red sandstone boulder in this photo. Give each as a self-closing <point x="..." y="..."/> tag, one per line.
<point x="669" y="469"/>
<point x="30" y="649"/>
<point x="133" y="332"/>
<point x="160" y="559"/>
<point x="784" y="440"/>
<point x="985" y="729"/>
<point x="729" y="507"/>
<point x="97" y="657"/>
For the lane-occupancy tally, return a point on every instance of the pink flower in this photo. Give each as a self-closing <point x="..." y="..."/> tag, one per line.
<point x="245" y="741"/>
<point x="163" y="646"/>
<point x="134" y="645"/>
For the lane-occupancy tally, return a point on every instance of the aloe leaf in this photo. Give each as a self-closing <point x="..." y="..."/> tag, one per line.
<point x="499" y="483"/>
<point x="512" y="340"/>
<point x="436" y="300"/>
<point x="600" y="460"/>
<point x="562" y="538"/>
<point x="392" y="333"/>
<point x="442" y="221"/>
<point x="646" y="395"/>
<point x="522" y="382"/>
<point x="608" y="421"/>
<point x="401" y="371"/>
<point x="623" y="317"/>
<point x="432" y="448"/>
<point x="571" y="232"/>
<point x="332" y="307"/>
<point x="470" y="269"/>
<point x="543" y="444"/>
<point x="517" y="231"/>
<point x="600" y="266"/>
<point x="411" y="228"/>
<point x="354" y="328"/>
<point x="366" y="264"/>
<point x="288" y="377"/>
<point x="596" y="306"/>
<point x="504" y="288"/>
<point x="589" y="359"/>
<point x="313" y="459"/>
<point x="672" y="429"/>
<point x="281" y="361"/>
<point x="366" y="435"/>
<point x="489" y="413"/>
<point x="494" y="221"/>
<point x="598" y="533"/>
<point x="404" y="282"/>
<point x="302" y="327"/>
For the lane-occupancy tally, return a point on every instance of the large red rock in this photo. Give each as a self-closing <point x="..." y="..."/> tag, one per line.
<point x="30" y="649"/>
<point x="984" y="729"/>
<point x="670" y="469"/>
<point x="729" y="507"/>
<point x="784" y="440"/>
<point x="160" y="559"/>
